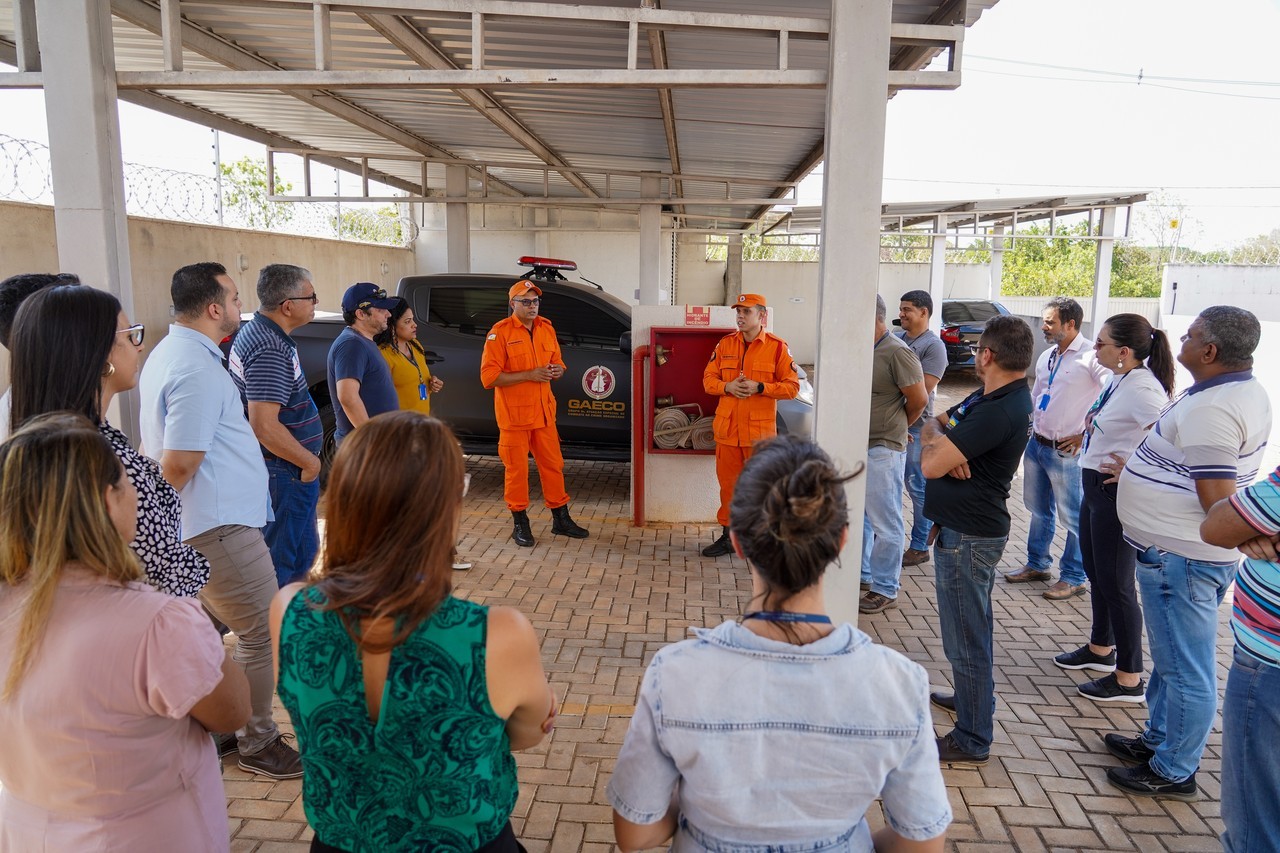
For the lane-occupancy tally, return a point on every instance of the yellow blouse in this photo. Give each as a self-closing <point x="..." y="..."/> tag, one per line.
<point x="411" y="378"/>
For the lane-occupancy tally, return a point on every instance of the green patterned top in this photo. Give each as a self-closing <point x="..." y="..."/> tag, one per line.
<point x="435" y="772"/>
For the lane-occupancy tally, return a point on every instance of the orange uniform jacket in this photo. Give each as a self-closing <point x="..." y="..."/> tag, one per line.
<point x="767" y="360"/>
<point x="510" y="348"/>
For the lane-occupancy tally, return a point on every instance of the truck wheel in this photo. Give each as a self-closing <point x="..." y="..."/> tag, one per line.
<point x="329" y="425"/>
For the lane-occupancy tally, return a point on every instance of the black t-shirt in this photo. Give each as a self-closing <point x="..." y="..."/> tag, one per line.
<point x="991" y="430"/>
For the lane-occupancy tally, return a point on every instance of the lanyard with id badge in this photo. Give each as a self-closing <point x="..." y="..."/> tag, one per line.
<point x="422" y="382"/>
<point x="1055" y="362"/>
<point x="970" y="403"/>
<point x="1091" y="417"/>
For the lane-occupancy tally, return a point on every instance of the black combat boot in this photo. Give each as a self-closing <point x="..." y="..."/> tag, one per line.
<point x="563" y="525"/>
<point x="521" y="532"/>
<point x="720" y="547"/>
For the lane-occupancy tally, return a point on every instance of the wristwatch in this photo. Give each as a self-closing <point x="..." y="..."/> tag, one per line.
<point x="759" y="387"/>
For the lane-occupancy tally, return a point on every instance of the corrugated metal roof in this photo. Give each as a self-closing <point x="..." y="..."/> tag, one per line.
<point x="762" y="133"/>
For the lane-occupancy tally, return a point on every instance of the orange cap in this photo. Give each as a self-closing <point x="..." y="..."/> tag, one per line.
<point x="750" y="300"/>
<point x="522" y="287"/>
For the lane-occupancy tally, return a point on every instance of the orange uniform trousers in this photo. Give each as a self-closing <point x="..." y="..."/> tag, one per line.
<point x="729" y="461"/>
<point x="514" y="446"/>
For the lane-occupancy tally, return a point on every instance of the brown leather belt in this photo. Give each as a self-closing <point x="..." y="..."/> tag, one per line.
<point x="1047" y="442"/>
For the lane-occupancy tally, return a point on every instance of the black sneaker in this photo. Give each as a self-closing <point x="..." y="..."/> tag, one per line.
<point x="226" y="743"/>
<point x="1108" y="689"/>
<point x="945" y="701"/>
<point x="277" y="760"/>
<point x="1082" y="658"/>
<point x="949" y="752"/>
<point x="1131" y="749"/>
<point x="1143" y="781"/>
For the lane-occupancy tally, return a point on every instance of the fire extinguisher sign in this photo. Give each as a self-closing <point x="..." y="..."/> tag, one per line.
<point x="697" y="315"/>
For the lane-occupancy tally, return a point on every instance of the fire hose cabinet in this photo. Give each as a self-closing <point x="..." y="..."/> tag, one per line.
<point x="678" y="412"/>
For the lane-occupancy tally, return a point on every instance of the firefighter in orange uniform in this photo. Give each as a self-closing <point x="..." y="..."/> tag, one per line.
<point x="749" y="371"/>
<point x="521" y="358"/>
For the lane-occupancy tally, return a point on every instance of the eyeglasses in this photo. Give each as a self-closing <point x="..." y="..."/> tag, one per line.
<point x="1100" y="343"/>
<point x="528" y="303"/>
<point x="135" y="333"/>
<point x="974" y="349"/>
<point x="313" y="298"/>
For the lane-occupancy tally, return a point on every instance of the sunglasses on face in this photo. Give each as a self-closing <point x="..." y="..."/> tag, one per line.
<point x="528" y="303"/>
<point x="135" y="333"/>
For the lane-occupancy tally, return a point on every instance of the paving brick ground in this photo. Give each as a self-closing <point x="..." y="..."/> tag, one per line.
<point x="604" y="605"/>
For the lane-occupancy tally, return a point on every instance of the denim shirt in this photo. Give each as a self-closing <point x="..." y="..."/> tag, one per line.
<point x="778" y="748"/>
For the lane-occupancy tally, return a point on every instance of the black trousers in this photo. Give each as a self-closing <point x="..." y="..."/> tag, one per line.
<point x="506" y="842"/>
<point x="1109" y="562"/>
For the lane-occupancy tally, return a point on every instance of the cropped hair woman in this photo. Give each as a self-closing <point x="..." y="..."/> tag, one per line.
<point x="73" y="349"/>
<point x="108" y="685"/>
<point x="1130" y="403"/>
<point x="778" y="732"/>
<point x="399" y="345"/>
<point x="407" y="701"/>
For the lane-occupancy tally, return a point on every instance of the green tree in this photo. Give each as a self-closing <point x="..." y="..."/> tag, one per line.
<point x="1063" y="265"/>
<point x="382" y="225"/>
<point x="244" y="192"/>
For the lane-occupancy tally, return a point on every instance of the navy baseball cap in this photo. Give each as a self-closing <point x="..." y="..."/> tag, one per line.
<point x="364" y="294"/>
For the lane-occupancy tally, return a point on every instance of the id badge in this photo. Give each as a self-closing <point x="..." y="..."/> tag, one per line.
<point x="1044" y="402"/>
<point x="422" y="390"/>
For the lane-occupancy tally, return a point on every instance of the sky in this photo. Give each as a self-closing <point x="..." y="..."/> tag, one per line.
<point x="1050" y="103"/>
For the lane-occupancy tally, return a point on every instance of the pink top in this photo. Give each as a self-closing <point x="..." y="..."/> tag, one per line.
<point x="100" y="753"/>
<point x="1070" y="389"/>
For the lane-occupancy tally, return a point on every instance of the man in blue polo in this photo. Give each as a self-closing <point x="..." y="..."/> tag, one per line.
<point x="264" y="364"/>
<point x="193" y="422"/>
<point x="359" y="378"/>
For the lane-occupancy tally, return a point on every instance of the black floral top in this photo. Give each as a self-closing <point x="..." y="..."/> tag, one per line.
<point x="171" y="566"/>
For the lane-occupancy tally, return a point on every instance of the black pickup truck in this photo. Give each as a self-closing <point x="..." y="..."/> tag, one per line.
<point x="455" y="312"/>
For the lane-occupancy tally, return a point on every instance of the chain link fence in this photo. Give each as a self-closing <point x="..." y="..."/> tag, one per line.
<point x="26" y="176"/>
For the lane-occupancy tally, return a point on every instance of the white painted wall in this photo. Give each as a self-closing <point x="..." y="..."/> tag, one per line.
<point x="1256" y="288"/>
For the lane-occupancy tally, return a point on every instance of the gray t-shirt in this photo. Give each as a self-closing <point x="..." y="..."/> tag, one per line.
<point x="932" y="353"/>
<point x="893" y="367"/>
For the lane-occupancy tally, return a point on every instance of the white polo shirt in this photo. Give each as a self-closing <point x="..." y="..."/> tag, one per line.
<point x="1217" y="430"/>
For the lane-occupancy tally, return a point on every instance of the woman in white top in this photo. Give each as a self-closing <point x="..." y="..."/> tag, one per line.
<point x="1142" y="361"/>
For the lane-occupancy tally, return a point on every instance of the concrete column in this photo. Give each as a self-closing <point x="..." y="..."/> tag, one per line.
<point x="937" y="270"/>
<point x="650" y="242"/>
<point x="79" y="66"/>
<point x="857" y="92"/>
<point x="457" y="220"/>
<point x="997" y="263"/>
<point x="1102" y="271"/>
<point x="733" y="269"/>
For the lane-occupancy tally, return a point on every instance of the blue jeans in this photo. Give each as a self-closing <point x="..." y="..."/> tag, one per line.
<point x="292" y="537"/>
<point x="914" y="478"/>
<point x="1250" y="765"/>
<point x="964" y="569"/>
<point x="1180" y="599"/>
<point x="882" y="520"/>
<point x="1051" y="488"/>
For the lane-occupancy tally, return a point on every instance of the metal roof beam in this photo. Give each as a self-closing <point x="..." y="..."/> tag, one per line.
<point x="666" y="102"/>
<point x="507" y="78"/>
<point x="418" y="47"/>
<point x="211" y="46"/>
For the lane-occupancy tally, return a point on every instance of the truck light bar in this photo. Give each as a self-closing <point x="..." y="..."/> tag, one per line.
<point x="547" y="263"/>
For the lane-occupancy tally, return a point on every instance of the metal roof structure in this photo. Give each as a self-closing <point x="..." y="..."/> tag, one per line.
<point x="980" y="215"/>
<point x="542" y="103"/>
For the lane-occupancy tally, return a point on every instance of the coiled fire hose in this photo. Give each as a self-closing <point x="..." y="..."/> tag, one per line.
<point x="672" y="428"/>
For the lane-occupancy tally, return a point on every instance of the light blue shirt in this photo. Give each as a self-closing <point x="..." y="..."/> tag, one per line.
<point x="190" y="403"/>
<point x="779" y="748"/>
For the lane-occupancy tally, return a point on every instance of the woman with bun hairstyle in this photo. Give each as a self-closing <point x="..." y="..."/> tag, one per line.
<point x="777" y="732"/>
<point x="1131" y="402"/>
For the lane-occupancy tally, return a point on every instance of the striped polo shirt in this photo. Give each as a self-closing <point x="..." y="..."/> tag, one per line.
<point x="1217" y="430"/>
<point x="264" y="364"/>
<point x="1255" y="611"/>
